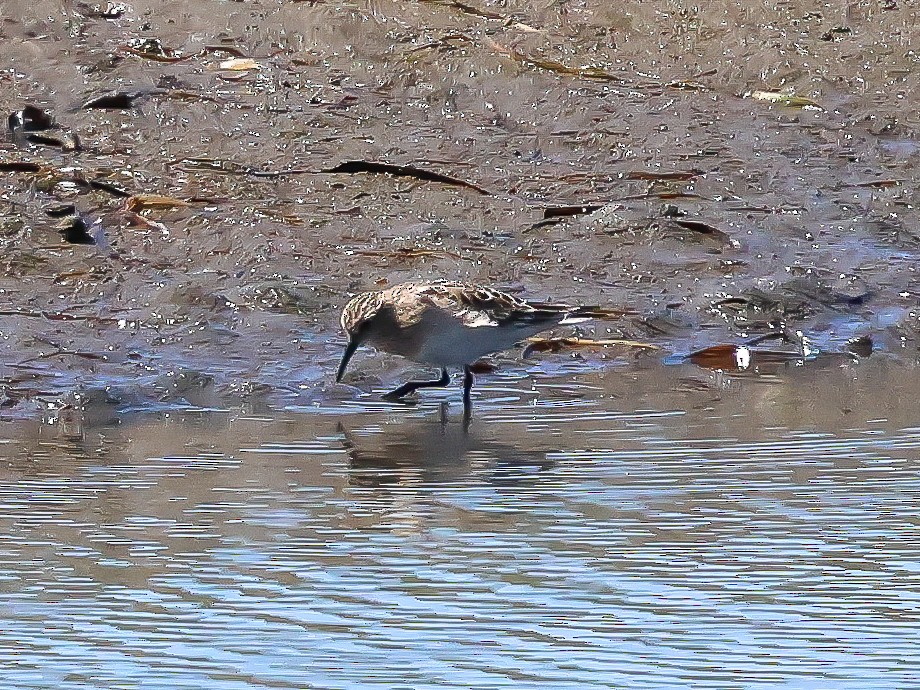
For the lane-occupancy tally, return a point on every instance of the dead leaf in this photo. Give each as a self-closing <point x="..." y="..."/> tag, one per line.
<point x="723" y="356"/>
<point x="741" y="357"/>
<point x="559" y="344"/>
<point x="21" y="166"/>
<point x="137" y="219"/>
<point x="116" y="100"/>
<point x="239" y="64"/>
<point x="654" y="176"/>
<point x="466" y="9"/>
<point x="402" y="171"/>
<point x="703" y="228"/>
<point x="879" y="184"/>
<point x="142" y="202"/>
<point x="409" y="253"/>
<point x="790" y="100"/>
<point x="566" y="211"/>
<point x="588" y="72"/>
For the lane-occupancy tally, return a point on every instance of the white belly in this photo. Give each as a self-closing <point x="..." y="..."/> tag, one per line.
<point x="448" y="342"/>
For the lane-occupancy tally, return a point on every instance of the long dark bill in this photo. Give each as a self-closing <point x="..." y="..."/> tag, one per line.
<point x="349" y="351"/>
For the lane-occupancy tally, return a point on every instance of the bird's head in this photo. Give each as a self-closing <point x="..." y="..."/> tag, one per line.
<point x="358" y="318"/>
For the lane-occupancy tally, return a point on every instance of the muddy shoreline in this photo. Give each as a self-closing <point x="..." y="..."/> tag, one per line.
<point x="722" y="174"/>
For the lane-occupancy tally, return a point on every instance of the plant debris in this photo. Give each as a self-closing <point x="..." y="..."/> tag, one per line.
<point x="728" y="357"/>
<point x="100" y="185"/>
<point x="348" y="167"/>
<point x="142" y="202"/>
<point x="111" y="12"/>
<point x="675" y="176"/>
<point x="836" y="33"/>
<point x="567" y="211"/>
<point x="239" y="64"/>
<point x="588" y="72"/>
<point x="466" y="9"/>
<point x="153" y="49"/>
<point x="61" y="210"/>
<point x="116" y="100"/>
<point x="353" y="167"/>
<point x="409" y="253"/>
<point x="790" y="100"/>
<point x="21" y="166"/>
<point x="560" y="344"/>
<point x="707" y="230"/>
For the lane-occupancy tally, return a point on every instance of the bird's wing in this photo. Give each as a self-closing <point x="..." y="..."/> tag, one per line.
<point x="477" y="306"/>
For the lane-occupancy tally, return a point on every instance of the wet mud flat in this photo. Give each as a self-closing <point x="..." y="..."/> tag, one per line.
<point x="189" y="192"/>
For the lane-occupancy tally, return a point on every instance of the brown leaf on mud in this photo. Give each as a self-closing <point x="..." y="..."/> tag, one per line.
<point x="652" y="176"/>
<point x="560" y="344"/>
<point x="465" y="8"/>
<point x="675" y="195"/>
<point x="588" y="72"/>
<point x="153" y="49"/>
<point x="239" y="64"/>
<point x="116" y="100"/>
<point x="61" y="210"/>
<point x="21" y="166"/>
<point x="193" y="96"/>
<point x="142" y="202"/>
<point x="721" y="356"/>
<point x="878" y="184"/>
<point x="790" y="100"/>
<point x="218" y="165"/>
<point x="409" y="253"/>
<point x="706" y="229"/>
<point x="741" y="357"/>
<point x="102" y="186"/>
<point x="836" y="33"/>
<point x="685" y="85"/>
<point x="148" y="52"/>
<point x="137" y="220"/>
<point x="230" y="50"/>
<point x="666" y="195"/>
<point x="566" y="211"/>
<point x="444" y="43"/>
<point x="63" y="353"/>
<point x="348" y="167"/>
<point x="280" y="216"/>
<point x="353" y="167"/>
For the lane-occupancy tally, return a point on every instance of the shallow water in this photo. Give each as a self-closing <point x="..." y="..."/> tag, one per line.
<point x="229" y="293"/>
<point x="657" y="528"/>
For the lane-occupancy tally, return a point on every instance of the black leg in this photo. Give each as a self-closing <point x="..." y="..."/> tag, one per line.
<point x="467" y="403"/>
<point x="412" y="386"/>
<point x="467" y="386"/>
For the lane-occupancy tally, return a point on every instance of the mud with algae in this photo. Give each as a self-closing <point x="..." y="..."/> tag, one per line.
<point x="219" y="177"/>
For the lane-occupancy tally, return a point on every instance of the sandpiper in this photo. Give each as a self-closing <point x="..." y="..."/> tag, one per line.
<point x="447" y="324"/>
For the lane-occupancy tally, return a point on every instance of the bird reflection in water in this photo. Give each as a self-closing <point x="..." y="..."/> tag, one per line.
<point x="416" y="451"/>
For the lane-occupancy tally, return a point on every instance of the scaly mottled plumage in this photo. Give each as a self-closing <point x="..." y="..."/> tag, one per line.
<point x="447" y="324"/>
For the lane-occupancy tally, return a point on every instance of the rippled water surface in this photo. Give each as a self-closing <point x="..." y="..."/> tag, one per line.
<point x="655" y="529"/>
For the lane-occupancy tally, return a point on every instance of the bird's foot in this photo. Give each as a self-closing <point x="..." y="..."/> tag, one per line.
<point x="397" y="396"/>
